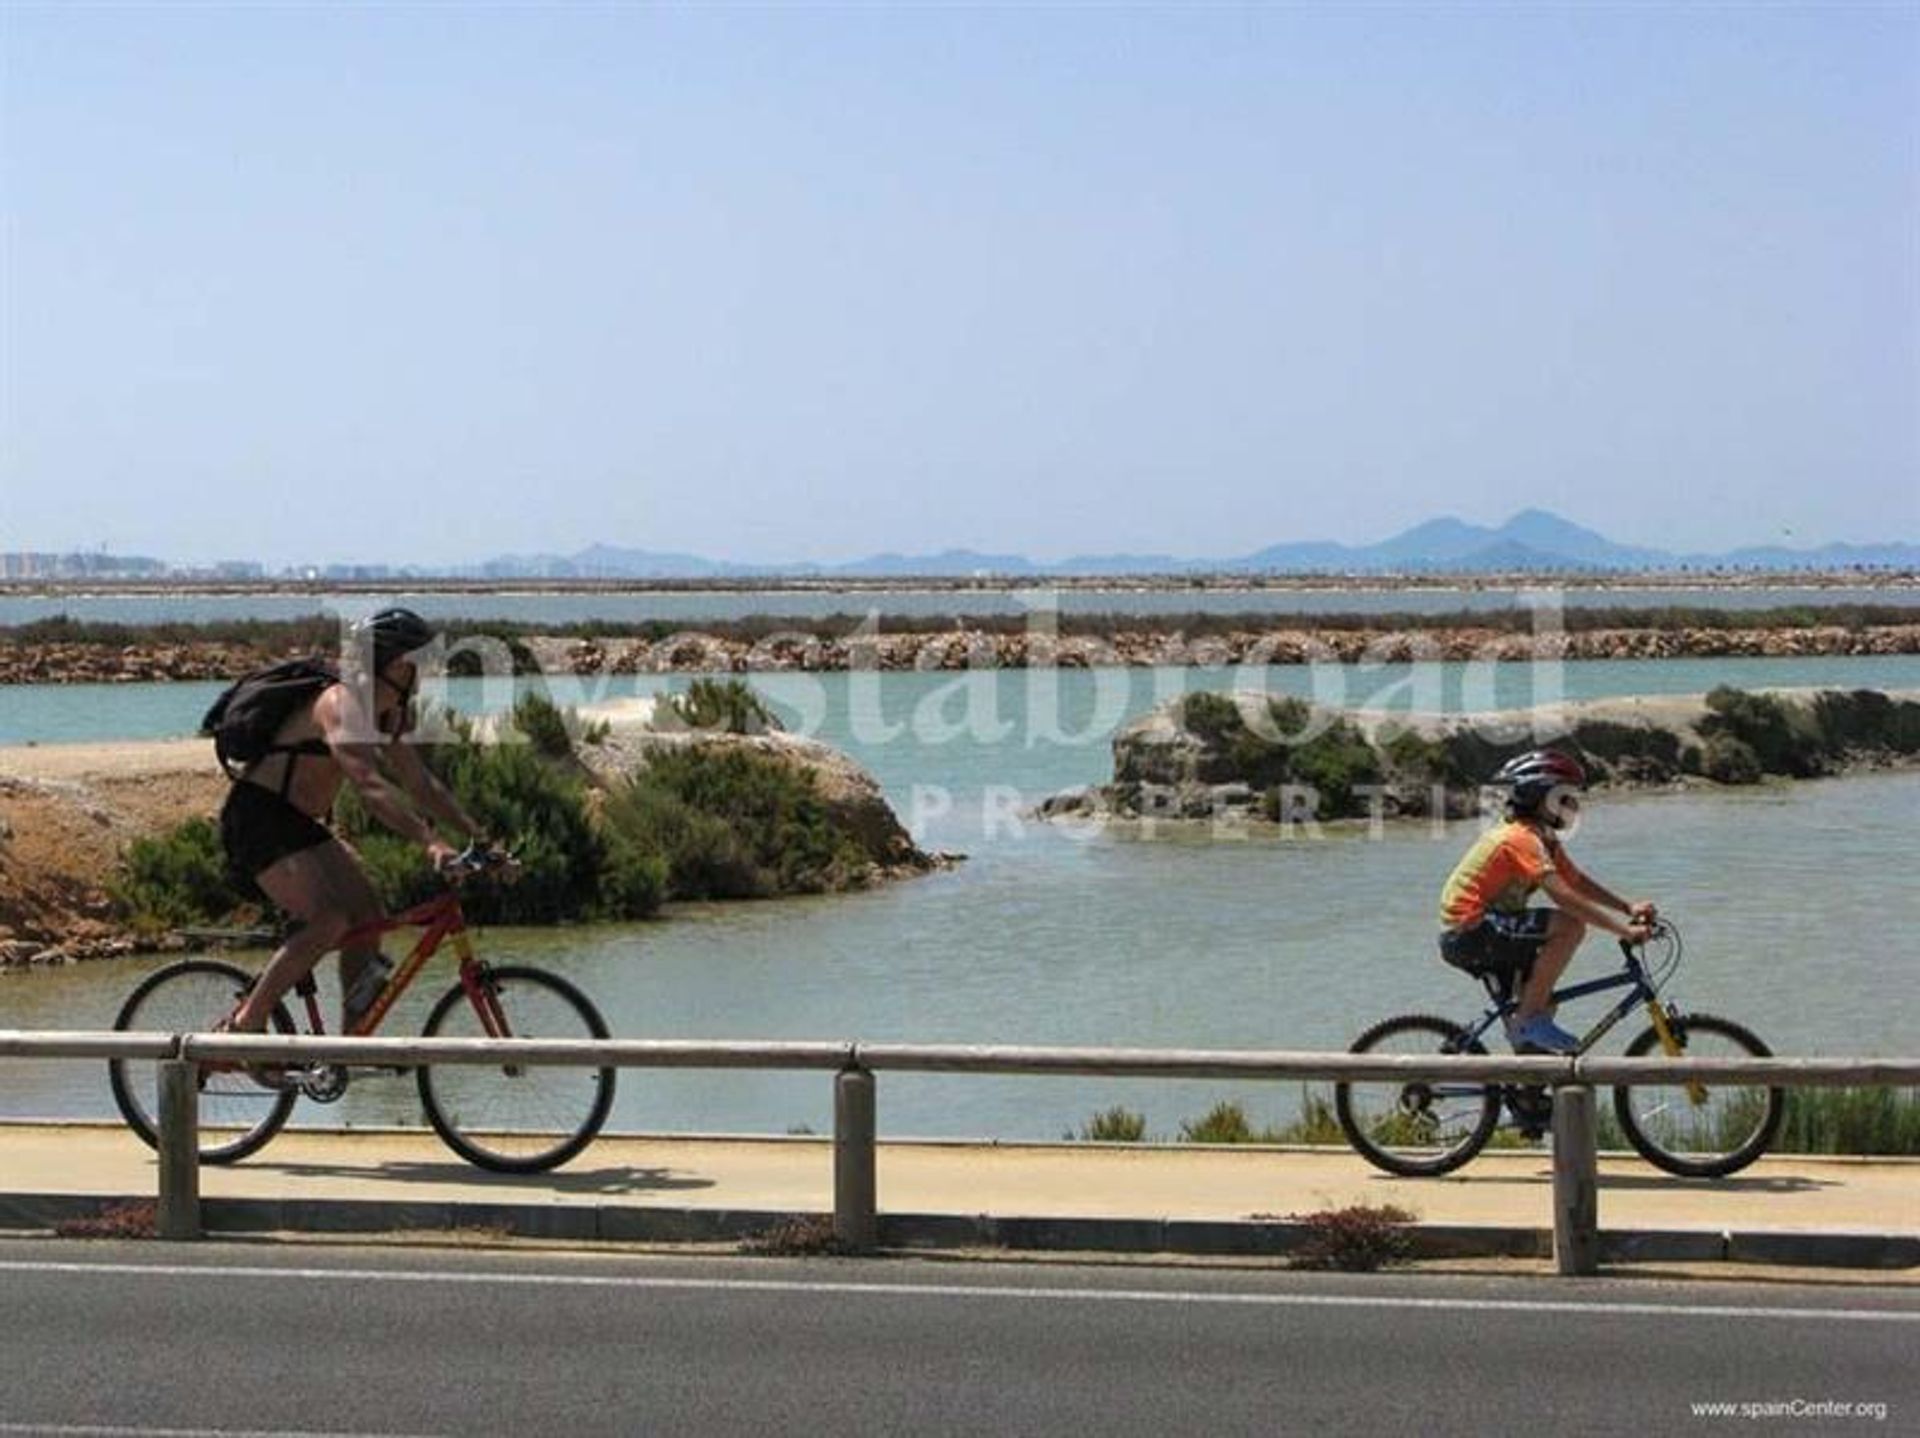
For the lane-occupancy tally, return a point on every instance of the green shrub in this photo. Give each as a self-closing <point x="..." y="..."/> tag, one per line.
<point x="733" y="823"/>
<point x="1851" y="1120"/>
<point x="1113" y="1125"/>
<point x="1334" y="763"/>
<point x="516" y="794"/>
<point x="1225" y="1122"/>
<point x="1635" y="750"/>
<point x="1727" y="760"/>
<point x="175" y="880"/>
<point x="1317" y="1123"/>
<point x="397" y="867"/>
<point x="1784" y="738"/>
<point x="1283" y="748"/>
<point x="700" y="822"/>
<point x="700" y="854"/>
<point x="1216" y="718"/>
<point x="633" y="881"/>
<point x="544" y="725"/>
<point x="1422" y="760"/>
<point x="1865" y="720"/>
<point x="725" y="706"/>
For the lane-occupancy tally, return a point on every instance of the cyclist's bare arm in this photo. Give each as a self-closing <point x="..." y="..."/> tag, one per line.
<point x="428" y="794"/>
<point x="1639" y="910"/>
<point x="356" y="744"/>
<point x="1582" y="905"/>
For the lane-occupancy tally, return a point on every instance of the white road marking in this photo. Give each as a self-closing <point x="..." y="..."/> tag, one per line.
<point x="103" y="1430"/>
<point x="954" y="1290"/>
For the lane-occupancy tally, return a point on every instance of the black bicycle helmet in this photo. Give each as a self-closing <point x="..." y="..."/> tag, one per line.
<point x="394" y="632"/>
<point x="1532" y="776"/>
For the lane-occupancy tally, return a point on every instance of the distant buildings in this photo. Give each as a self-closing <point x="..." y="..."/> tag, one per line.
<point x="27" y="564"/>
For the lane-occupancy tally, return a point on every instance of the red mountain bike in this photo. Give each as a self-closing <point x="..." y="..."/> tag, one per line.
<point x="514" y="1118"/>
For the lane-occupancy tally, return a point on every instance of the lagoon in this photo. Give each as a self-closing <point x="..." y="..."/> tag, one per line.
<point x="1797" y="918"/>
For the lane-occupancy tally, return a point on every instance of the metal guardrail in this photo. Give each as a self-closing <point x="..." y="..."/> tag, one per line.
<point x="854" y="1065"/>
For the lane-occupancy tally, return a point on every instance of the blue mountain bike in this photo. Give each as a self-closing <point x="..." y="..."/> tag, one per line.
<point x="1421" y="1128"/>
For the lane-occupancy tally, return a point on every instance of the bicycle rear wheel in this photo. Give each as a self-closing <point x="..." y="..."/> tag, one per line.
<point x="237" y="1114"/>
<point x="1417" y="1128"/>
<point x="1690" y="1129"/>
<point x="516" y="1118"/>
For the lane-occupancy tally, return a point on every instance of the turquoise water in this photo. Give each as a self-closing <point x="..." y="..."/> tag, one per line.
<point x="1005" y="710"/>
<point x="1797" y="918"/>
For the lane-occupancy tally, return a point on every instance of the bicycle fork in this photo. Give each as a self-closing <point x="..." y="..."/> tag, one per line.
<point x="1673" y="1048"/>
<point x="484" y="995"/>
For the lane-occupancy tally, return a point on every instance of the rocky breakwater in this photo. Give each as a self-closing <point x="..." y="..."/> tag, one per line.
<point x="964" y="649"/>
<point x="1248" y="757"/>
<point x="88" y="663"/>
<point x="726" y="650"/>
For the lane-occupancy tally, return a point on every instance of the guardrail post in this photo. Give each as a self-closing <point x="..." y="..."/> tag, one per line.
<point x="856" y="1218"/>
<point x="178" y="1215"/>
<point x="1576" y="1182"/>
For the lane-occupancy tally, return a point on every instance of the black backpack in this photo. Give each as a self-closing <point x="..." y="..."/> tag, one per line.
<point x="243" y="721"/>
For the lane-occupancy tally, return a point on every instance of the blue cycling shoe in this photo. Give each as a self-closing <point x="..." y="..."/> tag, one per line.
<point x="1541" y="1034"/>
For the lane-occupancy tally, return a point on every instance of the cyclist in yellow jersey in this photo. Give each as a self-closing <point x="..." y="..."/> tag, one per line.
<point x="1485" y="924"/>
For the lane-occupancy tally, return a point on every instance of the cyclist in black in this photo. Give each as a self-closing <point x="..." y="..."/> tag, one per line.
<point x="273" y="823"/>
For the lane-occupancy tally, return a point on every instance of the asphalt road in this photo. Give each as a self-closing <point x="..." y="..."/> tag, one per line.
<point x="273" y="1339"/>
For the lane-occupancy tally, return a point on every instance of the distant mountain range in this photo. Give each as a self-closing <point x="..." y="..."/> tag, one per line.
<point x="1533" y="541"/>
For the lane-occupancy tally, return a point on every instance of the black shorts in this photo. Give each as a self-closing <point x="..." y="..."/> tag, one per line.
<point x="258" y="829"/>
<point x="1498" y="944"/>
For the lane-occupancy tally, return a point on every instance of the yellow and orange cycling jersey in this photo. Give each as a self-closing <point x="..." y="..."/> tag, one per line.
<point x="1505" y="864"/>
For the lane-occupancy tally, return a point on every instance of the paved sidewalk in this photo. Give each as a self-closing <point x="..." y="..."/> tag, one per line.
<point x="1041" y="1195"/>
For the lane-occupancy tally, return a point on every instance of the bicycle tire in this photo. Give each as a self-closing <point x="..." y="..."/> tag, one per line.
<point x="1385" y="1132"/>
<point x="487" y="1114"/>
<point x="1755" y="1120"/>
<point x="237" y="1114"/>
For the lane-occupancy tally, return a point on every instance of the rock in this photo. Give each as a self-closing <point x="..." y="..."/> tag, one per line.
<point x="1207" y="756"/>
<point x="853" y="797"/>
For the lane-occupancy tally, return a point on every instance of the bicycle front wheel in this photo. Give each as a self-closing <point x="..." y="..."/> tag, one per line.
<point x="516" y="1118"/>
<point x="237" y="1114"/>
<point x="1690" y="1129"/>
<point x="1417" y="1128"/>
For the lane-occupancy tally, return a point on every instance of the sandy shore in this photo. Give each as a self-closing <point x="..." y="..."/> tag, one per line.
<point x="123" y="759"/>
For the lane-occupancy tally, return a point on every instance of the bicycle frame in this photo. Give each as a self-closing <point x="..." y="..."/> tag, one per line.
<point x="440" y="919"/>
<point x="1633" y="977"/>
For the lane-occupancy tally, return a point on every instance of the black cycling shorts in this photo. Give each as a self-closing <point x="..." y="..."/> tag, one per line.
<point x="1499" y="943"/>
<point x="258" y="829"/>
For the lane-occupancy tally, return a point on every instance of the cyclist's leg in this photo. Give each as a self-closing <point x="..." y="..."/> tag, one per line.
<point x="356" y="898"/>
<point x="325" y="894"/>
<point x="1562" y="936"/>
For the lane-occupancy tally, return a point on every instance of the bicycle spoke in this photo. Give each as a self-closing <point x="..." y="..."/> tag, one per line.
<point x="517" y="1117"/>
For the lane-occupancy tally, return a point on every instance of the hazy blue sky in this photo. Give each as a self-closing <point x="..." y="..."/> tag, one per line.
<point x="425" y="283"/>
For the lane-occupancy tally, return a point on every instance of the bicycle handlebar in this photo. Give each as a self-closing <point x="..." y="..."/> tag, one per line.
<point x="479" y="857"/>
<point x="1658" y="929"/>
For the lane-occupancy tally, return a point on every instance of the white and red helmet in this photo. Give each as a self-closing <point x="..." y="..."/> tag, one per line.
<point x="1531" y="777"/>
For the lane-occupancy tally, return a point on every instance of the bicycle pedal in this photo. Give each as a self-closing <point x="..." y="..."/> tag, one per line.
<point x="324" y="1083"/>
